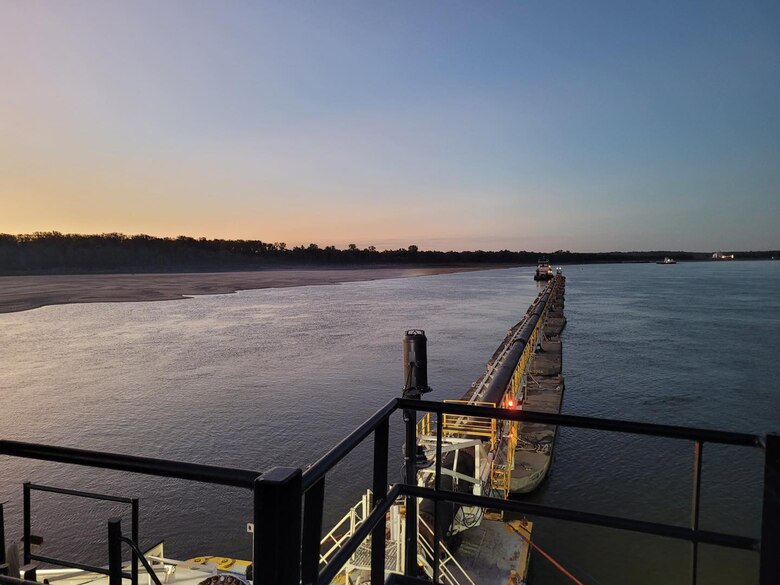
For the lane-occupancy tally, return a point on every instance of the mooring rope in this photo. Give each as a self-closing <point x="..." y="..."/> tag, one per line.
<point x="555" y="563"/>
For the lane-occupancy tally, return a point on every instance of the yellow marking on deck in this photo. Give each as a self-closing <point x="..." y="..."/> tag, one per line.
<point x="222" y="563"/>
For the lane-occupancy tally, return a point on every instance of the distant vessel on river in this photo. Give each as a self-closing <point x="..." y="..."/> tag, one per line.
<point x="543" y="270"/>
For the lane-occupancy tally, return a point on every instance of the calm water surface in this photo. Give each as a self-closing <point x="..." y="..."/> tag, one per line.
<point x="277" y="377"/>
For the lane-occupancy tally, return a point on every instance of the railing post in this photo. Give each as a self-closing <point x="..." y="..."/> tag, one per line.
<point x="770" y="519"/>
<point x="378" y="542"/>
<point x="26" y="522"/>
<point x="314" y="500"/>
<point x="115" y="551"/>
<point x="135" y="537"/>
<point x="2" y="541"/>
<point x="410" y="463"/>
<point x="276" y="556"/>
<point x="436" y="503"/>
<point x="695" y="499"/>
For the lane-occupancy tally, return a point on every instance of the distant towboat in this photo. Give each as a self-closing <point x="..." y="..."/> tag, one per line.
<point x="666" y="261"/>
<point x="543" y="270"/>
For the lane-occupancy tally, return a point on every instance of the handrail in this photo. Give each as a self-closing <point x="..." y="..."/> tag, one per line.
<point x="348" y="549"/>
<point x="354" y="518"/>
<point x="449" y="558"/>
<point x="343" y="448"/>
<point x="78" y="493"/>
<point x="317" y="471"/>
<point x="357" y="515"/>
<point x="587" y="422"/>
<point x="227" y="476"/>
<point x="667" y="530"/>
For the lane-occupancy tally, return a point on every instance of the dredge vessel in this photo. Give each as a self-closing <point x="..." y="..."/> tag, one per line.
<point x="543" y="270"/>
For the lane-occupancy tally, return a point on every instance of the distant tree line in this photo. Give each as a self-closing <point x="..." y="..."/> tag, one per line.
<point x="54" y="252"/>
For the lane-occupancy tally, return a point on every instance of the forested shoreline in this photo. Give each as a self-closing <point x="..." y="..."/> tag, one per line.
<point x="57" y="253"/>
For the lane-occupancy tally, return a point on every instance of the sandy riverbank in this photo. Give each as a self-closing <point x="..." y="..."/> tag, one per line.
<point x="21" y="293"/>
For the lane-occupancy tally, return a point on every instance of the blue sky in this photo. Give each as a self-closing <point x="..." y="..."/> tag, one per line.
<point x="456" y="125"/>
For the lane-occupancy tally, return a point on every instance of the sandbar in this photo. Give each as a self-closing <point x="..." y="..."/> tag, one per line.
<point x="22" y="293"/>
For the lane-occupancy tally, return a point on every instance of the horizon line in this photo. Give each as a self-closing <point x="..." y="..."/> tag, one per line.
<point x="370" y="247"/>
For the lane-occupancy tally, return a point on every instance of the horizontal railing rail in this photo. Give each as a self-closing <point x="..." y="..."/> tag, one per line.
<point x="226" y="476"/>
<point x="586" y="422"/>
<point x="80" y="494"/>
<point x="530" y="509"/>
<point x="328" y="461"/>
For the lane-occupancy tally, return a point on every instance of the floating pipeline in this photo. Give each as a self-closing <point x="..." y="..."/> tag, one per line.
<point x="479" y="456"/>
<point x="543" y="392"/>
<point x="499" y="384"/>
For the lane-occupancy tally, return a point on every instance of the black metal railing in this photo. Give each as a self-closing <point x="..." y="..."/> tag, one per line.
<point x="211" y="474"/>
<point x="144" y="465"/>
<point x="314" y="482"/>
<point x="288" y="502"/>
<point x="27" y="532"/>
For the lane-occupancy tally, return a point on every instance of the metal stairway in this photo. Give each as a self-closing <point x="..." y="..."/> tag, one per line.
<point x="357" y="570"/>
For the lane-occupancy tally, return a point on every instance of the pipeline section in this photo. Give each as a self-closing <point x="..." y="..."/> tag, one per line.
<point x="497" y="387"/>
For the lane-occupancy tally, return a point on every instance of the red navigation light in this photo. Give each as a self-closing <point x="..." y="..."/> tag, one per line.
<point x="511" y="403"/>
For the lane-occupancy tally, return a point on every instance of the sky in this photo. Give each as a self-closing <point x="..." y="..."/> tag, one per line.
<point x="524" y="125"/>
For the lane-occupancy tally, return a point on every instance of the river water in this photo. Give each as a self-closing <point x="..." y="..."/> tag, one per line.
<point x="278" y="376"/>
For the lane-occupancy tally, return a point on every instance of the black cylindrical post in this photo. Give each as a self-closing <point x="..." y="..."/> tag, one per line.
<point x="276" y="558"/>
<point x="770" y="518"/>
<point x="415" y="385"/>
<point x="115" y="551"/>
<point x="415" y="364"/>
